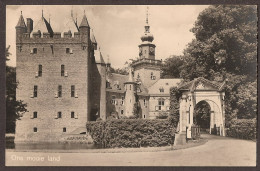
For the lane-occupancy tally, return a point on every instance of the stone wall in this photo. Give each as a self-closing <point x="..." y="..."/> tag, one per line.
<point x="51" y="54"/>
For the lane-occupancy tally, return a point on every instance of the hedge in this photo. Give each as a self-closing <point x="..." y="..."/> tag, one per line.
<point x="131" y="133"/>
<point x="243" y="129"/>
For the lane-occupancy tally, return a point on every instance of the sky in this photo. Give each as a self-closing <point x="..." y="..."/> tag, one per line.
<point x="117" y="29"/>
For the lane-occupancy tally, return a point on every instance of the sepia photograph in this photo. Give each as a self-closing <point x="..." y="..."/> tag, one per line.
<point x="131" y="85"/>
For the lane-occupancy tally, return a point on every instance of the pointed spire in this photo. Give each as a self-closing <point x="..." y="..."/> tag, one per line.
<point x="84" y="22"/>
<point x="21" y="22"/>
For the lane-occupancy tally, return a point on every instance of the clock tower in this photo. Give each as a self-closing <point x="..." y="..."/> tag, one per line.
<point x="146" y="67"/>
<point x="147" y="48"/>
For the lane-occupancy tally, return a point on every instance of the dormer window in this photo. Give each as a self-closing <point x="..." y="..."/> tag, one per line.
<point x="161" y="90"/>
<point x="152" y="76"/>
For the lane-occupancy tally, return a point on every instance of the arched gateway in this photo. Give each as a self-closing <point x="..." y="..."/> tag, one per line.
<point x="194" y="93"/>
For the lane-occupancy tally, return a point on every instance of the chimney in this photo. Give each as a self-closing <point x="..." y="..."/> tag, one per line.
<point x="29" y="25"/>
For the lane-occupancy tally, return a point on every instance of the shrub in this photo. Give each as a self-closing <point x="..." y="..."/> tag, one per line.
<point x="162" y="116"/>
<point x="131" y="133"/>
<point x="242" y="128"/>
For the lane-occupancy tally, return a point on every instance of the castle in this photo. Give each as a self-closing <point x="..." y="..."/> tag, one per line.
<point x="65" y="81"/>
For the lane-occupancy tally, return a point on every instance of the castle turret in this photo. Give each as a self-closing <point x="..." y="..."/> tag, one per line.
<point x="130" y="93"/>
<point x="84" y="30"/>
<point x="20" y="29"/>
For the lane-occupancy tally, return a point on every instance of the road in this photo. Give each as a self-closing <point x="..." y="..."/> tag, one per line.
<point x="218" y="151"/>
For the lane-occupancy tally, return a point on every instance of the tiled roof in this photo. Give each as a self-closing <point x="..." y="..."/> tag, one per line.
<point x="117" y="82"/>
<point x="98" y="57"/>
<point x="21" y="22"/>
<point x="191" y="85"/>
<point x="84" y="22"/>
<point x="164" y="84"/>
<point x="43" y="25"/>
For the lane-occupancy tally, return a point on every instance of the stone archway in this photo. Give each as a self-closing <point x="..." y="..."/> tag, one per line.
<point x="193" y="93"/>
<point x="202" y="116"/>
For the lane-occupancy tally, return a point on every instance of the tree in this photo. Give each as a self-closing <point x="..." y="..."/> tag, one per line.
<point x="172" y="67"/>
<point x="225" y="48"/>
<point x="14" y="108"/>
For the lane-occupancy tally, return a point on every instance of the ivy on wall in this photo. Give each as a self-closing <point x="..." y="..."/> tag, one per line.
<point x="175" y="95"/>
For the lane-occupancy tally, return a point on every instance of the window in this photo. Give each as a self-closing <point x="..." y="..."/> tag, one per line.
<point x="72" y="114"/>
<point x="144" y="102"/>
<point x="122" y="100"/>
<point x="35" y="129"/>
<point x="108" y="84"/>
<point x="113" y="101"/>
<point x="130" y="87"/>
<point x="67" y="50"/>
<point x="161" y="90"/>
<point x="72" y="93"/>
<point x="62" y="70"/>
<point x="34" y="51"/>
<point x="160" y="104"/>
<point x="19" y="48"/>
<point x="144" y="116"/>
<point x="64" y="129"/>
<point x="34" y="114"/>
<point x="51" y="49"/>
<point x="59" y="91"/>
<point x="39" y="70"/>
<point x="59" y="114"/>
<point x="122" y="112"/>
<point x="35" y="89"/>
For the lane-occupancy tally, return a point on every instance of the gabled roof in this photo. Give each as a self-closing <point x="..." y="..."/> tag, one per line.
<point x="200" y="84"/>
<point x="44" y="26"/>
<point x="117" y="79"/>
<point x="21" y="22"/>
<point x="164" y="84"/>
<point x="84" y="22"/>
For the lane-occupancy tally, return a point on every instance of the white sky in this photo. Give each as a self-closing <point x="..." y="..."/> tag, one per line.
<point x="117" y="28"/>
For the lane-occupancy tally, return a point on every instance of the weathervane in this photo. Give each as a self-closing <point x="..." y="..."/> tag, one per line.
<point x="147" y="13"/>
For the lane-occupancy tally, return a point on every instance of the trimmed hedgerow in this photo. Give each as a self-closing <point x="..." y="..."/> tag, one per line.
<point x="131" y="133"/>
<point x="243" y="129"/>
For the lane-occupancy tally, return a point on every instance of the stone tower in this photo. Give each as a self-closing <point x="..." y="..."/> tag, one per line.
<point x="147" y="68"/>
<point x="130" y="93"/>
<point x="53" y="75"/>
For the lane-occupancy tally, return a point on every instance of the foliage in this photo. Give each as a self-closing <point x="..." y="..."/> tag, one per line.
<point x="14" y="108"/>
<point x="163" y="115"/>
<point x="137" y="110"/>
<point x="172" y="67"/>
<point x="225" y="48"/>
<point x="175" y="95"/>
<point x="123" y="71"/>
<point x="131" y="133"/>
<point x="243" y="129"/>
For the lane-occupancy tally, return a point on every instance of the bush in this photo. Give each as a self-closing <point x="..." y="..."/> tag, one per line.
<point x="243" y="129"/>
<point x="162" y="116"/>
<point x="131" y="133"/>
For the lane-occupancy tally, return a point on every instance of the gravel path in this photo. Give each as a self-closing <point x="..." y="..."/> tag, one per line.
<point x="218" y="151"/>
